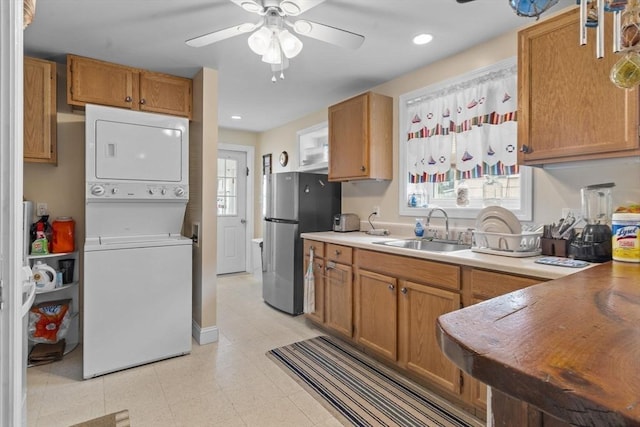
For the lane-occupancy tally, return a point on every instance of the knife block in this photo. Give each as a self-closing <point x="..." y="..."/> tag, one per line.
<point x="554" y="247"/>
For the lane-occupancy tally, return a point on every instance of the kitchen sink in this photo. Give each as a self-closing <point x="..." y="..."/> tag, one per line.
<point x="427" y="245"/>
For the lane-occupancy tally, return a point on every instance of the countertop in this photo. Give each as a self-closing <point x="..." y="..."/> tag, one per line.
<point x="570" y="347"/>
<point x="523" y="266"/>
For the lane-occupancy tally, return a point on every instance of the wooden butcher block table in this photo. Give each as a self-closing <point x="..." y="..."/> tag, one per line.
<point x="569" y="347"/>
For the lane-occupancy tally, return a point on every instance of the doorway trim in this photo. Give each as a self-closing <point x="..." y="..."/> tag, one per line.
<point x="13" y="361"/>
<point x="250" y="151"/>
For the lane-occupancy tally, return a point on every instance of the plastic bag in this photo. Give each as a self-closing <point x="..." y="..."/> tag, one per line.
<point x="49" y="321"/>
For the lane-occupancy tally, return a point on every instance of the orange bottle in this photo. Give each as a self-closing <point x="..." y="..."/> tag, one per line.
<point x="63" y="234"/>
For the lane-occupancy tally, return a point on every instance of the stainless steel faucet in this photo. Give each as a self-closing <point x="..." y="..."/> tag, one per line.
<point x="446" y="220"/>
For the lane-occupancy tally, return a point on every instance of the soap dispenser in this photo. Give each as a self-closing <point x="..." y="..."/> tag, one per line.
<point x="419" y="228"/>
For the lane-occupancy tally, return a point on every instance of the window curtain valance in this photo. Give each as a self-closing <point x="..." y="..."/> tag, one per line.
<point x="468" y="128"/>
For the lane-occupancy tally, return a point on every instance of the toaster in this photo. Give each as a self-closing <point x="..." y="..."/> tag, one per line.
<point x="346" y="222"/>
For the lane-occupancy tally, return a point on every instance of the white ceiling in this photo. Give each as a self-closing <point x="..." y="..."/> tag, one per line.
<point x="150" y="34"/>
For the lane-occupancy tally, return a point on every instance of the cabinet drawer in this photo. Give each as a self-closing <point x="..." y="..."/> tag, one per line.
<point x="417" y="270"/>
<point x="339" y="253"/>
<point x="489" y="284"/>
<point x="318" y="248"/>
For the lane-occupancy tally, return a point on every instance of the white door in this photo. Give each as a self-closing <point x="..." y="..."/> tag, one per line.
<point x="12" y="366"/>
<point x="232" y="211"/>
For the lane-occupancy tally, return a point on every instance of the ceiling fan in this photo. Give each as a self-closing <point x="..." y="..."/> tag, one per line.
<point x="270" y="37"/>
<point x="530" y="8"/>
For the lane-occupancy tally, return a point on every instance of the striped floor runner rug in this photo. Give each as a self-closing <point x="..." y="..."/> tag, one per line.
<point x="360" y="391"/>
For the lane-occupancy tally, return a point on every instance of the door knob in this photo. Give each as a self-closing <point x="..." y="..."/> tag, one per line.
<point x="243" y="221"/>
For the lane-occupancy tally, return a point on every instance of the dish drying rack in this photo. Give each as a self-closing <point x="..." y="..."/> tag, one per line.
<point x="522" y="245"/>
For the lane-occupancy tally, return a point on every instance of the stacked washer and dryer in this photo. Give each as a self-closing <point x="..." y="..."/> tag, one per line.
<point x="137" y="265"/>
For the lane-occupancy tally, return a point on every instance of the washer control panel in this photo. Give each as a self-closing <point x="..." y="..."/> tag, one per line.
<point x="136" y="191"/>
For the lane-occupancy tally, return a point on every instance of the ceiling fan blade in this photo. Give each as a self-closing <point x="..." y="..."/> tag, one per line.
<point x="296" y="7"/>
<point x="328" y="34"/>
<point x="226" y="33"/>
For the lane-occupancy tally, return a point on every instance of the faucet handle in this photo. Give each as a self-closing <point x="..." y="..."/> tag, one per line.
<point x="430" y="234"/>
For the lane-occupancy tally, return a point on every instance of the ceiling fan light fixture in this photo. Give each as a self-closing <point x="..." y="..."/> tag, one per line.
<point x="260" y="40"/>
<point x="273" y="55"/>
<point x="290" y="44"/>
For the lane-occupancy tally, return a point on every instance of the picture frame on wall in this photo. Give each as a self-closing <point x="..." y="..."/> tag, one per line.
<point x="266" y="164"/>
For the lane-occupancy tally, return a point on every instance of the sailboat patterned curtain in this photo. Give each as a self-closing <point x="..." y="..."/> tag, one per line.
<point x="468" y="129"/>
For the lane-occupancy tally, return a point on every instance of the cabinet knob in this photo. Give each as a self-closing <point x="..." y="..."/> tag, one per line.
<point x="404" y="291"/>
<point x="143" y="101"/>
<point x="391" y="286"/>
<point x="128" y="99"/>
<point x="525" y="149"/>
<point x="338" y="252"/>
<point x="362" y="168"/>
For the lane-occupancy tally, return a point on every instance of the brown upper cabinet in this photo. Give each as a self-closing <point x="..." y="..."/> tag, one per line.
<point x="90" y="81"/>
<point x="568" y="108"/>
<point x="40" y="121"/>
<point x="360" y="141"/>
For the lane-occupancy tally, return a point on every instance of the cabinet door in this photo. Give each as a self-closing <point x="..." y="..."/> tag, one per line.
<point x="40" y="121"/>
<point x="482" y="285"/>
<point x="420" y="306"/>
<point x="568" y="107"/>
<point x="318" y="278"/>
<point x="162" y="93"/>
<point x="377" y="313"/>
<point x="348" y="139"/>
<point x="90" y="81"/>
<point x="339" y="298"/>
<point x="477" y="390"/>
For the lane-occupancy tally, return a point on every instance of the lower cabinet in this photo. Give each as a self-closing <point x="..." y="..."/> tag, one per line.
<point x="376" y="313"/>
<point x="389" y="304"/>
<point x="481" y="285"/>
<point x="339" y="297"/>
<point x="398" y="300"/>
<point x="420" y="306"/>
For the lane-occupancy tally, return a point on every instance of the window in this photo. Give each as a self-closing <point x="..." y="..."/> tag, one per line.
<point x="227" y="199"/>
<point x="458" y="146"/>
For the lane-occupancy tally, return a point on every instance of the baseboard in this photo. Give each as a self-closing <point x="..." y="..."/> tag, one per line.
<point x="204" y="335"/>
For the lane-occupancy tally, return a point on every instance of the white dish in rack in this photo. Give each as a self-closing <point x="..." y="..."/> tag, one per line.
<point x="496" y="219"/>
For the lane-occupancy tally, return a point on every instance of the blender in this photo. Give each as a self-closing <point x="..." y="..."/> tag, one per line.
<point x="593" y="244"/>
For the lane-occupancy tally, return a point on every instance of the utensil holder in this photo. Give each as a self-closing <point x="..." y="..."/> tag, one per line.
<point x="554" y="247"/>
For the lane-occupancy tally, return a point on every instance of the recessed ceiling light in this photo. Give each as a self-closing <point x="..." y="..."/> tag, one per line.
<point x="421" y="39"/>
<point x="236" y="117"/>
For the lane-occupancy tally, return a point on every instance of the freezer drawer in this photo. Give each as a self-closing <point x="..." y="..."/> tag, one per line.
<point x="137" y="306"/>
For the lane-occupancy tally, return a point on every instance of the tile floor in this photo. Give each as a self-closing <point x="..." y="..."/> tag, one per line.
<point x="228" y="383"/>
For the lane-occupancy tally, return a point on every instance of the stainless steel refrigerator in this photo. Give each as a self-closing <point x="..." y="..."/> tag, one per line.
<point x="295" y="202"/>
